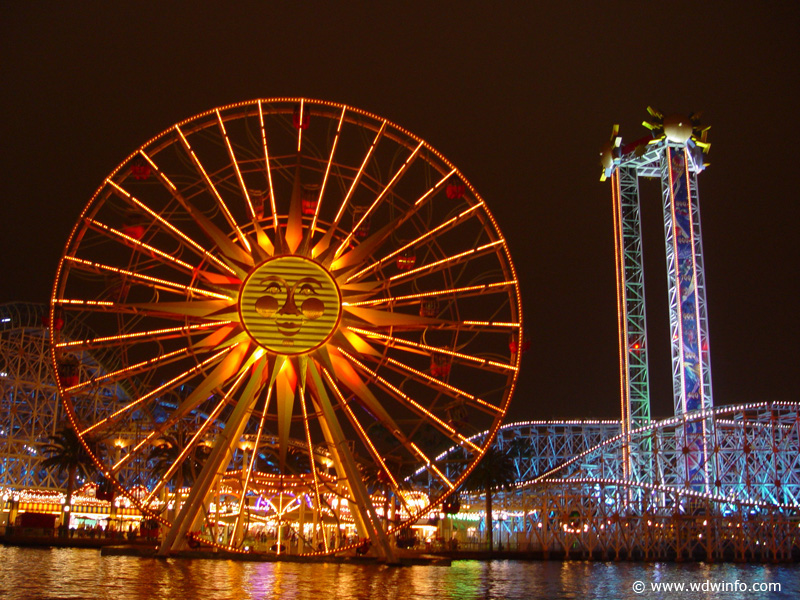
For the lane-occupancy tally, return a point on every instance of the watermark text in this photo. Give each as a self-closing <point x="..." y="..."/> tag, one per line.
<point x="676" y="587"/>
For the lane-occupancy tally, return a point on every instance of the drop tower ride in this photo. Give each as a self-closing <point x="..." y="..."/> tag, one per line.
<point x="675" y="152"/>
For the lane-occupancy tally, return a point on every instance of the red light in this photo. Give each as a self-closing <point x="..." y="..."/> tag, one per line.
<point x="140" y="170"/>
<point x="300" y="122"/>
<point x="455" y="189"/>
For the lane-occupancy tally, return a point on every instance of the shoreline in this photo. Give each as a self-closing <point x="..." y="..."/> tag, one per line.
<point x="148" y="548"/>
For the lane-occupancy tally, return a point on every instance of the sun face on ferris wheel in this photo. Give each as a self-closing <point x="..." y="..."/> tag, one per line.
<point x="306" y="292"/>
<point x="290" y="305"/>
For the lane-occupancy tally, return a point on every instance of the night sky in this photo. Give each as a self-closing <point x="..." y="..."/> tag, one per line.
<point x="519" y="98"/>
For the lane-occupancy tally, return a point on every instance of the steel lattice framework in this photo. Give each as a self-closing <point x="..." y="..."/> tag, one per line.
<point x="580" y="503"/>
<point x="632" y="326"/>
<point x="30" y="411"/>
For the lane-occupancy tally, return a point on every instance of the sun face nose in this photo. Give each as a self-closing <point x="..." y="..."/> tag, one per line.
<point x="289" y="307"/>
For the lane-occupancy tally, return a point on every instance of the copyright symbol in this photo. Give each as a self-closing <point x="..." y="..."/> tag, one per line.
<point x="638" y="587"/>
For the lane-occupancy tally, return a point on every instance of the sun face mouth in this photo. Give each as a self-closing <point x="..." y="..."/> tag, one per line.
<point x="290" y="305"/>
<point x="288" y="328"/>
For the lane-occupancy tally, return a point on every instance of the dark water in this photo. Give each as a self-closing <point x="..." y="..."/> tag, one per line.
<point x="55" y="574"/>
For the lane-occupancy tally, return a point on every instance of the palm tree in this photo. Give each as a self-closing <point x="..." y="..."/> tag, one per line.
<point x="495" y="470"/>
<point x="167" y="451"/>
<point x="66" y="453"/>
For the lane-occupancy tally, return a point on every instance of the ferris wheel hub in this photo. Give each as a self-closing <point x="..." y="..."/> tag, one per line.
<point x="290" y="305"/>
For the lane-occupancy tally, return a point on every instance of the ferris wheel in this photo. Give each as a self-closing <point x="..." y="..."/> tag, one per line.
<point x="305" y="306"/>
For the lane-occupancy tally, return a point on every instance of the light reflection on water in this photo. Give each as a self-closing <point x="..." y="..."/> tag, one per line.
<point x="68" y="574"/>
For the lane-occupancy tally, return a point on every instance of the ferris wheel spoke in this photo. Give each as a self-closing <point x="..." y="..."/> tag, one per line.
<point x="213" y="189"/>
<point x="222" y="337"/>
<point x="325" y="242"/>
<point x="324" y="184"/>
<point x="387" y="188"/>
<point x="293" y="234"/>
<point x="156" y="283"/>
<point x="130" y="370"/>
<point x="267" y="167"/>
<point x="415" y="347"/>
<point x="155" y="434"/>
<point x="400" y="321"/>
<point x="430" y="465"/>
<point x="218" y="237"/>
<point x="483" y="326"/>
<point x="385" y="318"/>
<point x="491" y="327"/>
<point x="139" y="336"/>
<point x="301" y="120"/>
<point x="365" y="249"/>
<point x="141" y="247"/>
<point x="91" y="305"/>
<point x="178" y="379"/>
<point x="438" y="230"/>
<point x="451" y="390"/>
<point x="213" y="471"/>
<point x="345" y="373"/>
<point x="177" y="234"/>
<point x="360" y="252"/>
<point x="458" y="292"/>
<point x="238" y="260"/>
<point x="344" y="461"/>
<point x="356" y="424"/>
<point x="235" y="163"/>
<point x="355" y="342"/>
<point x="235" y="364"/>
<point x="193" y="442"/>
<point x="285" y="387"/>
<point x="415" y="406"/>
<point x="250" y="465"/>
<point x="223" y="373"/>
<point x="445" y="263"/>
<point x="208" y="310"/>
<point x="312" y="462"/>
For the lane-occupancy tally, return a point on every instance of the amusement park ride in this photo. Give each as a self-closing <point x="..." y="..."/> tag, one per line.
<point x="294" y="317"/>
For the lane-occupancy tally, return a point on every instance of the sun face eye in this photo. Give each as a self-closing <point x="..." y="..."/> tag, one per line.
<point x="273" y="287"/>
<point x="306" y="289"/>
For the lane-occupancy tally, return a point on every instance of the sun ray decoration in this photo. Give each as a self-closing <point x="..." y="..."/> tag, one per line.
<point x="314" y="301"/>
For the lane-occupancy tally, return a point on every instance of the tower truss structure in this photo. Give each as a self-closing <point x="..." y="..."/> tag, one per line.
<point x="674" y="154"/>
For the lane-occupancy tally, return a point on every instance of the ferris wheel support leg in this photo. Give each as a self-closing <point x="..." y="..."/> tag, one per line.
<point x="345" y="464"/>
<point x="191" y="513"/>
